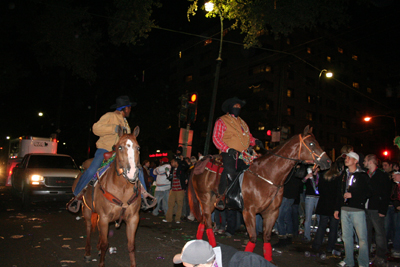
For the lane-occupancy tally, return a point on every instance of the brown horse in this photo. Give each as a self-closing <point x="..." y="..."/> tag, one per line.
<point x="115" y="196"/>
<point x="262" y="188"/>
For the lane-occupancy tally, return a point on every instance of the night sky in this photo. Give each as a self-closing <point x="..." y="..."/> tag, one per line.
<point x="72" y="104"/>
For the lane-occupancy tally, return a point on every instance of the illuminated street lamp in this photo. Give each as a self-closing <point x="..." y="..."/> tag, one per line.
<point x="368" y="119"/>
<point x="40" y="114"/>
<point x="209" y="6"/>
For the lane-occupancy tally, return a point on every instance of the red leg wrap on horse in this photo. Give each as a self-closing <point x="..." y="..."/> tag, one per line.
<point x="200" y="231"/>
<point x="211" y="238"/>
<point x="268" y="251"/>
<point x="250" y="246"/>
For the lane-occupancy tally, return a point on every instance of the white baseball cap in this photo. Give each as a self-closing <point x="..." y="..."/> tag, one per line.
<point x="353" y="155"/>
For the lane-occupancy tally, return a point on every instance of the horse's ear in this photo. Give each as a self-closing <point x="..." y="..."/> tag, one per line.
<point x="310" y="131"/>
<point x="136" y="131"/>
<point x="306" y="130"/>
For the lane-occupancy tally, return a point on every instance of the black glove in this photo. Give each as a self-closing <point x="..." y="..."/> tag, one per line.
<point x="232" y="152"/>
<point x="260" y="144"/>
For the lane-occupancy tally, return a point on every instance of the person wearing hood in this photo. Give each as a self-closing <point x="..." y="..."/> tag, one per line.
<point x="233" y="138"/>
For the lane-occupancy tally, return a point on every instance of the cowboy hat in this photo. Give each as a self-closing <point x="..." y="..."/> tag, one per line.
<point x="231" y="102"/>
<point x="123" y="101"/>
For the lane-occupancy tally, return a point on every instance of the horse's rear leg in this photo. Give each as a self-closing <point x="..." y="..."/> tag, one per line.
<point x="250" y="221"/>
<point x="102" y="245"/>
<point x="269" y="219"/>
<point x="131" y="227"/>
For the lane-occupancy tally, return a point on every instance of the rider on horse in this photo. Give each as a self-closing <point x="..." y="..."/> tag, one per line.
<point x="107" y="129"/>
<point x="233" y="138"/>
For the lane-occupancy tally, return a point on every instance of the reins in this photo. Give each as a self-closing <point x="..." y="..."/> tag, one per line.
<point x="298" y="161"/>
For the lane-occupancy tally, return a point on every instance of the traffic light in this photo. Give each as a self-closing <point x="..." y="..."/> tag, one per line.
<point x="385" y="153"/>
<point x="192" y="107"/>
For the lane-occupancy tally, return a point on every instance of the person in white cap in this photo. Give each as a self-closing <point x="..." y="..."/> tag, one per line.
<point x="197" y="253"/>
<point x="353" y="191"/>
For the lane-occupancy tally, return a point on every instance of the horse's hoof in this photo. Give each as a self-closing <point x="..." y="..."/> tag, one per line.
<point x="87" y="258"/>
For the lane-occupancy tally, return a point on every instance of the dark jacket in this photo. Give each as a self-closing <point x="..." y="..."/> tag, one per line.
<point x="395" y="195"/>
<point x="381" y="184"/>
<point x="309" y="186"/>
<point x="327" y="195"/>
<point x="360" y="190"/>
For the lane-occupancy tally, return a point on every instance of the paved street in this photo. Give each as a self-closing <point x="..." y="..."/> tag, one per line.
<point x="48" y="235"/>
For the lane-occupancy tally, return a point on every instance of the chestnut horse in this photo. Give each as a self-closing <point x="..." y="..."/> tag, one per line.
<point x="115" y="196"/>
<point x="262" y="188"/>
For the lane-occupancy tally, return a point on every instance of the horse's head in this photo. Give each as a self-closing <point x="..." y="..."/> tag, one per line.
<point x="311" y="151"/>
<point x="127" y="156"/>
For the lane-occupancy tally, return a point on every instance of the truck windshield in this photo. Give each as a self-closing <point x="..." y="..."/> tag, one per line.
<point x="48" y="161"/>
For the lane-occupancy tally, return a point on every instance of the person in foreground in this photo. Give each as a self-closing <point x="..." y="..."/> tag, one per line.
<point x="353" y="191"/>
<point x="199" y="253"/>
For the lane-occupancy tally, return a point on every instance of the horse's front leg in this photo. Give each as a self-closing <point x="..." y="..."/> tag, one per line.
<point x="269" y="218"/>
<point x="131" y="226"/>
<point x="87" y="214"/>
<point x="250" y="222"/>
<point x="102" y="245"/>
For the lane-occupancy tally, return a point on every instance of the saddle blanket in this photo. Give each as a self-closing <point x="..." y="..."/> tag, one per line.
<point x="214" y="168"/>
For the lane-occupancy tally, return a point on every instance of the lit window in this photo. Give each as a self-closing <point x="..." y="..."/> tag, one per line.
<point x="267" y="68"/>
<point x="340" y="50"/>
<point x="344" y="125"/>
<point x="329" y="59"/>
<point x="188" y="78"/>
<point x="309" y="99"/>
<point x="289" y="93"/>
<point x="267" y="106"/>
<point x="356" y="85"/>
<point x="261" y="126"/>
<point x="354" y="57"/>
<point x="289" y="111"/>
<point x="369" y="90"/>
<point x="309" y="50"/>
<point x="309" y="116"/>
<point x="207" y="42"/>
<point x="288" y="41"/>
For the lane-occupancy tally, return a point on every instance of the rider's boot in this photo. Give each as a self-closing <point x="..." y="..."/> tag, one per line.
<point x="75" y="203"/>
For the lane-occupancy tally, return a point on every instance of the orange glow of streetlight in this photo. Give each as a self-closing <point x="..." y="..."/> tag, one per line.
<point x="367" y="118"/>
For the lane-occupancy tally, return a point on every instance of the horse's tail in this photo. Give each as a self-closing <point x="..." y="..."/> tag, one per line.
<point x="193" y="201"/>
<point x="93" y="219"/>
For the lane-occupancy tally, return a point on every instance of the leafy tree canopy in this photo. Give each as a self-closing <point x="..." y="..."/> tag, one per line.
<point x="277" y="17"/>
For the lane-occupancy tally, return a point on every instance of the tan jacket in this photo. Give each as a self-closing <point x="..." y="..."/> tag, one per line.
<point x="105" y="129"/>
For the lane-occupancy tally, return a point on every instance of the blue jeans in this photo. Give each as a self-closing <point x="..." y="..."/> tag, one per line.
<point x="310" y="205"/>
<point x="161" y="196"/>
<point x="259" y="224"/>
<point x="390" y="223"/>
<point x="295" y="219"/>
<point x="216" y="218"/>
<point x="356" y="220"/>
<point x="91" y="171"/>
<point x="396" y="240"/>
<point x="319" y="236"/>
<point x="284" y="222"/>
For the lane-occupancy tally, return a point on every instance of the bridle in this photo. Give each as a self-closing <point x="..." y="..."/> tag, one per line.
<point x="314" y="155"/>
<point x="123" y="171"/>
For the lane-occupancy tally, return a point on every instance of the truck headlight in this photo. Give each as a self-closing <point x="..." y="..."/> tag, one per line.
<point x="36" y="179"/>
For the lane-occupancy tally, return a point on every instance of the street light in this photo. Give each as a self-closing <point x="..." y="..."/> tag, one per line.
<point x="328" y="74"/>
<point x="368" y="119"/>
<point x="209" y="7"/>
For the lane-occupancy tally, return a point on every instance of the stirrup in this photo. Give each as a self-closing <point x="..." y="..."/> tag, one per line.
<point x="74" y="205"/>
<point x="220" y="202"/>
